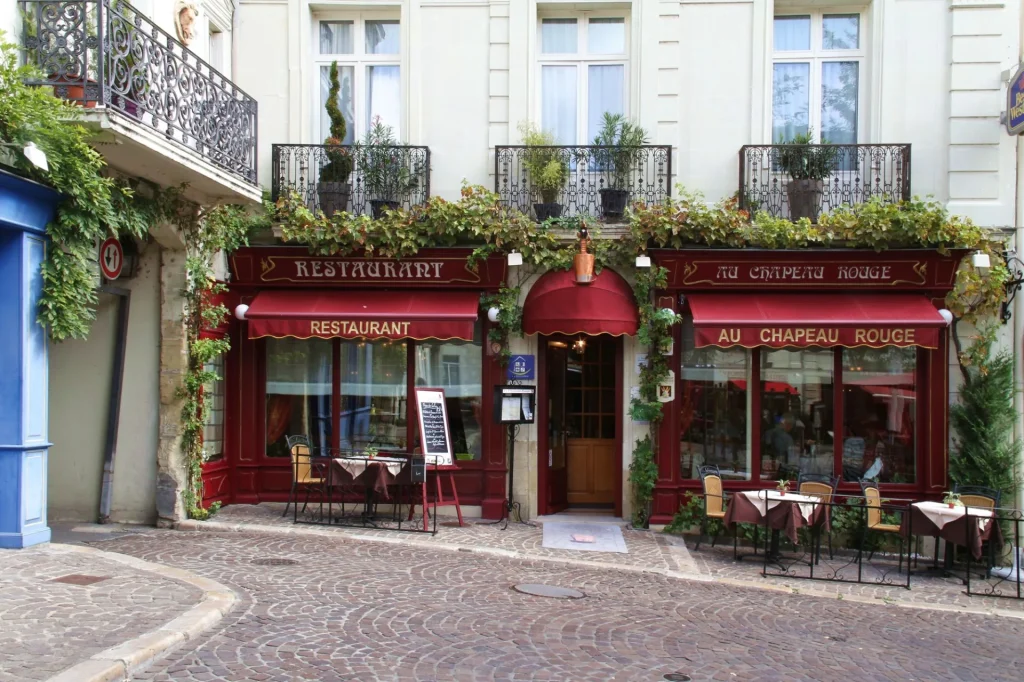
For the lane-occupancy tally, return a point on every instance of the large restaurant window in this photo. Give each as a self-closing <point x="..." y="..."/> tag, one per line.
<point x="298" y="392"/>
<point x="714" y="412"/>
<point x="879" y="414"/>
<point x="376" y="379"/>
<point x="796" y="390"/>
<point x="797" y="424"/>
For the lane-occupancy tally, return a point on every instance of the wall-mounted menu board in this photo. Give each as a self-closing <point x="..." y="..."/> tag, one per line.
<point x="434" y="432"/>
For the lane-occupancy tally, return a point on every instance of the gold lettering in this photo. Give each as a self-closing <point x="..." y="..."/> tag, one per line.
<point x="375" y="328"/>
<point x="300" y="268"/>
<point x="373" y="269"/>
<point x="858" y="336"/>
<point x="422" y="269"/>
<point x="765" y="334"/>
<point x="358" y="270"/>
<point x="314" y="327"/>
<point x="909" y="336"/>
<point x="343" y="266"/>
<point x="437" y="269"/>
<point x="389" y="270"/>
<point x="329" y="269"/>
<point x="335" y="327"/>
<point x="723" y="336"/>
<point x="405" y="271"/>
<point x="316" y="269"/>
<point x="405" y="329"/>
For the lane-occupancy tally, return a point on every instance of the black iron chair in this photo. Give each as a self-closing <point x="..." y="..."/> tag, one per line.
<point x="823" y="487"/>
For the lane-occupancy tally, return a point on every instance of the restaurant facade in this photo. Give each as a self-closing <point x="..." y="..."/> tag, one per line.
<point x="785" y="362"/>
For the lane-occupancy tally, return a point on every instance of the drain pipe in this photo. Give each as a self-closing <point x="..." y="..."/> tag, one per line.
<point x="124" y="297"/>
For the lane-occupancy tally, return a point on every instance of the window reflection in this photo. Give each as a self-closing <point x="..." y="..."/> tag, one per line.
<point x="298" y="393"/>
<point x="713" y="412"/>
<point x="456" y="366"/>
<point x="797" y="389"/>
<point x="879" y="414"/>
<point x="373" y="395"/>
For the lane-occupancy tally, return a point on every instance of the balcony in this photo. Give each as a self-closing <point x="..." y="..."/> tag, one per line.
<point x="641" y="174"/>
<point x="382" y="176"/>
<point x="173" y="117"/>
<point x="794" y="181"/>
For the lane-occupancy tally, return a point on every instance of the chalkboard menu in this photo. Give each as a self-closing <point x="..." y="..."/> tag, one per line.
<point x="433" y="416"/>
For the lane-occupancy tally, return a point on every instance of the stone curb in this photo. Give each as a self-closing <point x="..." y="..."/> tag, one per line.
<point x="119" y="663"/>
<point x="218" y="526"/>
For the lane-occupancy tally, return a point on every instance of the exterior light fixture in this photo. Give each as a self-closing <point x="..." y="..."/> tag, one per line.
<point x="643" y="261"/>
<point x="492" y="314"/>
<point x="981" y="262"/>
<point x="1013" y="285"/>
<point x="515" y="258"/>
<point x="583" y="262"/>
<point x="34" y="155"/>
<point x="947" y="316"/>
<point x="240" y="310"/>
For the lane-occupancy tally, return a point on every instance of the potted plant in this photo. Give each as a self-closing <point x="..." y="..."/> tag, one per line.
<point x="333" y="188"/>
<point x="783" y="487"/>
<point x="620" y="145"/>
<point x="69" y="86"/>
<point x="546" y="167"/>
<point x="952" y="499"/>
<point x="386" y="168"/>
<point x="808" y="165"/>
<point x="370" y="452"/>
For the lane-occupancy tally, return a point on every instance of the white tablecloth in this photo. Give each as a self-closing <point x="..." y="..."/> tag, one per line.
<point x="940" y="514"/>
<point x="765" y="500"/>
<point x="357" y="465"/>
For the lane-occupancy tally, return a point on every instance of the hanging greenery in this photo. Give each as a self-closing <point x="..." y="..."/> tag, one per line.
<point x="95" y="205"/>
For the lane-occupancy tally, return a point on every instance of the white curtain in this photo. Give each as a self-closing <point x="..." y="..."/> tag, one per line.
<point x="792" y="33"/>
<point x="558" y="36"/>
<point x="839" y="101"/>
<point x="606" y="36"/>
<point x="383" y="97"/>
<point x="790" y="103"/>
<point x="344" y="102"/>
<point x="336" y="37"/>
<point x="558" y="102"/>
<point x="605" y="93"/>
<point x="382" y="37"/>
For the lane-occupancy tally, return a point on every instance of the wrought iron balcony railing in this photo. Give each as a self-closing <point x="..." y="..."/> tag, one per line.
<point x="633" y="173"/>
<point x="795" y="181"/>
<point x="107" y="53"/>
<point x="382" y="176"/>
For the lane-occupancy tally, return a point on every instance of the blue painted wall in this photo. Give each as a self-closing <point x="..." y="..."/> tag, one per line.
<point x="25" y="209"/>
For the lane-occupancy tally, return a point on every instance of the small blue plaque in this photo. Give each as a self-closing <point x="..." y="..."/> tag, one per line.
<point x="521" y="367"/>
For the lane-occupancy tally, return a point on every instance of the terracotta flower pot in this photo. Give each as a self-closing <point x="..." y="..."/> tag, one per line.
<point x="74" y="91"/>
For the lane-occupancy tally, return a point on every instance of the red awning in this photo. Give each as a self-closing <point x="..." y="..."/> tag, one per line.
<point x="557" y="305"/>
<point x="796" y="319"/>
<point x="364" y="314"/>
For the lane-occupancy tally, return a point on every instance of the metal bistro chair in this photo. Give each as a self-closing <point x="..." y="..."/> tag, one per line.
<point x="873" y="500"/>
<point x="824" y="488"/>
<point x="714" y="500"/>
<point x="979" y="497"/>
<point x="303" y="474"/>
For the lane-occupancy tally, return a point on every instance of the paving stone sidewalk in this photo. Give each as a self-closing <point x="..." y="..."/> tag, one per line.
<point x="47" y="626"/>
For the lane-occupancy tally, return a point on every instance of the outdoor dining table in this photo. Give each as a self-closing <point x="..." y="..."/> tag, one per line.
<point x="789" y="512"/>
<point x="374" y="474"/>
<point x="938" y="520"/>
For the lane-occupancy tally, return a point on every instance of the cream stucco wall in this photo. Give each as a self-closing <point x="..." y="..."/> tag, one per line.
<point x="80" y="373"/>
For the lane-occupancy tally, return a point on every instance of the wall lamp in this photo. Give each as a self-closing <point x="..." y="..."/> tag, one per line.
<point x="1016" y="269"/>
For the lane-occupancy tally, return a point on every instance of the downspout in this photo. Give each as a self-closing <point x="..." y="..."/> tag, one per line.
<point x="124" y="297"/>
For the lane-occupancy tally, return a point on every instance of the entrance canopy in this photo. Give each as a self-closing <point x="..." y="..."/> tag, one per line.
<point x="364" y="314"/>
<point x="557" y="305"/>
<point x="800" y="320"/>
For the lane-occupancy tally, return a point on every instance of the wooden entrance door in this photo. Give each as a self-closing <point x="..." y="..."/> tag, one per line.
<point x="590" y="417"/>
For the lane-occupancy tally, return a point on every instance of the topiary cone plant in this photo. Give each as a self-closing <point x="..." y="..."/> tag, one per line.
<point x="333" y="188"/>
<point x="808" y="165"/>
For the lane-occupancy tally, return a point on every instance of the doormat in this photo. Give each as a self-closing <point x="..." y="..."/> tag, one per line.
<point x="587" y="537"/>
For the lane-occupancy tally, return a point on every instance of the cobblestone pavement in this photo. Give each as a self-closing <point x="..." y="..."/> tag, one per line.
<point x="336" y="608"/>
<point x="47" y="626"/>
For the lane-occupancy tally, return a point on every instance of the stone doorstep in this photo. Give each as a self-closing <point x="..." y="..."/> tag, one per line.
<point x="128" y="658"/>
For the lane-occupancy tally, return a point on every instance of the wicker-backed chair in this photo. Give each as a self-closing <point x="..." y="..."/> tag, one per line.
<point x="714" y="499"/>
<point x="979" y="497"/>
<point x="824" y="488"/>
<point x="304" y="474"/>
<point x="873" y="501"/>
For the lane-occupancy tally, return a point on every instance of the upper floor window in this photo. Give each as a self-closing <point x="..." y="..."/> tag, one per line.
<point x="817" y="66"/>
<point x="368" y="52"/>
<point x="583" y="73"/>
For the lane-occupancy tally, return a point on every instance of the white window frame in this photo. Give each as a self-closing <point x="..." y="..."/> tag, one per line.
<point x="582" y="59"/>
<point x="360" y="60"/>
<point x="816" y="57"/>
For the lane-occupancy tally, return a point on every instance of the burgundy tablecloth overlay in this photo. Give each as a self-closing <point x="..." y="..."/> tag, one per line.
<point x="784" y="516"/>
<point x="954" y="531"/>
<point x="376" y="477"/>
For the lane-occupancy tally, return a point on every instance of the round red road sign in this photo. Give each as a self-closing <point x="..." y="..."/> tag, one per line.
<point x="111" y="258"/>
